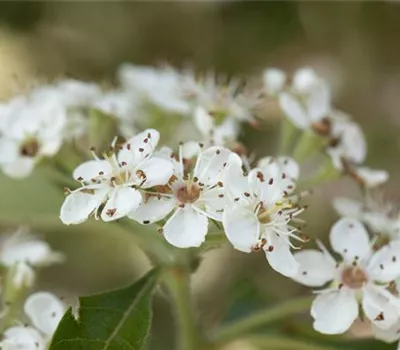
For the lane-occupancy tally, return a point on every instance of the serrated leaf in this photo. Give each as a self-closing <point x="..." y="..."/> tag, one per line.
<point x="116" y="320"/>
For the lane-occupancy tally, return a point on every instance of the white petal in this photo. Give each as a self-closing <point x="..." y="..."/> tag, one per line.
<point x="242" y="227"/>
<point x="350" y="239"/>
<point x="153" y="209"/>
<point x="315" y="269"/>
<point x="20" y="168"/>
<point x="372" y="177"/>
<point x="139" y="147"/>
<point x="378" y="309"/>
<point x="334" y="312"/>
<point x="274" y="80"/>
<point x="121" y="202"/>
<point x="294" y="110"/>
<point x="203" y="121"/>
<point x="92" y="169"/>
<point x="28" y="249"/>
<point x="389" y="335"/>
<point x="280" y="257"/>
<point x="235" y="183"/>
<point x="45" y="311"/>
<point x="22" y="338"/>
<point x="186" y="228"/>
<point x="384" y="265"/>
<point x="9" y="150"/>
<point x="190" y="149"/>
<point x="352" y="145"/>
<point x="211" y="164"/>
<point x="226" y="132"/>
<point x="285" y="165"/>
<point x="318" y="102"/>
<point x="305" y="79"/>
<point x="213" y="202"/>
<point x="79" y="205"/>
<point x="348" y="207"/>
<point x="157" y="171"/>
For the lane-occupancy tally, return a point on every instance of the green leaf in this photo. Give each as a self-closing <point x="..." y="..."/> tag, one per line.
<point x="117" y="320"/>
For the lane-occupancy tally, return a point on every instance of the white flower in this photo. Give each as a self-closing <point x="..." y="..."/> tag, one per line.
<point x="306" y="102"/>
<point x="122" y="105"/>
<point x="69" y="92"/>
<point x="259" y="213"/>
<point x="24" y="247"/>
<point x="370" y="178"/>
<point x="22" y="338"/>
<point x="161" y="87"/>
<point x="22" y="252"/>
<point x="45" y="311"/>
<point x="32" y="128"/>
<point x="195" y="197"/>
<point x="274" y="80"/>
<point x="212" y="134"/>
<point x="221" y="100"/>
<point x="116" y="181"/>
<point x="381" y="218"/>
<point x="359" y="279"/>
<point x="348" y="140"/>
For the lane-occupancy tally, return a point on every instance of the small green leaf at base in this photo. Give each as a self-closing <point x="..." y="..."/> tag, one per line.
<point x="116" y="320"/>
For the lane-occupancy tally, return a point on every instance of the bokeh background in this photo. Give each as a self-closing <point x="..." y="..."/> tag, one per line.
<point x="355" y="45"/>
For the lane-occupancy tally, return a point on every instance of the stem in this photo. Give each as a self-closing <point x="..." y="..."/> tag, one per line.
<point x="177" y="280"/>
<point x="308" y="144"/>
<point x="288" y="133"/>
<point x="240" y="327"/>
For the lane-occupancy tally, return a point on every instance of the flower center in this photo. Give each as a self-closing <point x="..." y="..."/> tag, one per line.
<point x="189" y="193"/>
<point x="30" y="148"/>
<point x="354" y="277"/>
<point x="264" y="216"/>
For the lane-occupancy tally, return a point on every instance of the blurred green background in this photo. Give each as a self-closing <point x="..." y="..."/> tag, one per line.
<point x="354" y="44"/>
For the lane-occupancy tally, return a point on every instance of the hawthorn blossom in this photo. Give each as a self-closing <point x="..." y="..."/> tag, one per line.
<point x="31" y="129"/>
<point x="194" y="197"/>
<point x="123" y="106"/>
<point x="22" y="338"/>
<point x="306" y="101"/>
<point x="111" y="187"/>
<point x="359" y="279"/>
<point x="162" y="87"/>
<point x="222" y="99"/>
<point x="259" y="212"/>
<point x="382" y="218"/>
<point x="44" y="311"/>
<point x="224" y="134"/>
<point x="22" y="252"/>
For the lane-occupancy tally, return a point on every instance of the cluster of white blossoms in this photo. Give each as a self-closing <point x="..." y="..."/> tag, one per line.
<point x="305" y="99"/>
<point x="44" y="312"/>
<point x="208" y="185"/>
<point x="183" y="195"/>
<point x="21" y="254"/>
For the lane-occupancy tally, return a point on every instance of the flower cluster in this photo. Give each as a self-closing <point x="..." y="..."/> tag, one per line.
<point x="305" y="99"/>
<point x="21" y="254"/>
<point x="147" y="185"/>
<point x="208" y="185"/>
<point x="362" y="279"/>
